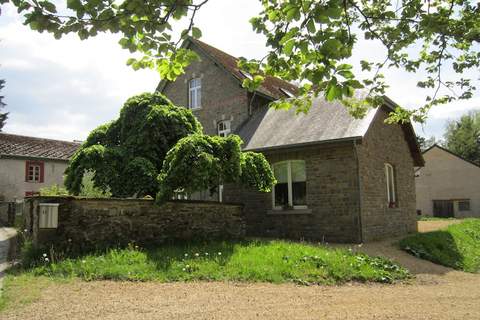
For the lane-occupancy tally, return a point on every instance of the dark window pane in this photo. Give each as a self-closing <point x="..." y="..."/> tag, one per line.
<point x="299" y="193"/>
<point x="464" y="205"/>
<point x="281" y="194"/>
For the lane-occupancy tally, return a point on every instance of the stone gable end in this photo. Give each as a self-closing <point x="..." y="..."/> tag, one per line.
<point x="383" y="144"/>
<point x="223" y="98"/>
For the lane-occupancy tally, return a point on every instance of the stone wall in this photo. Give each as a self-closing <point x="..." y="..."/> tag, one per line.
<point x="382" y="144"/>
<point x="332" y="198"/>
<point x="97" y="223"/>
<point x="223" y="98"/>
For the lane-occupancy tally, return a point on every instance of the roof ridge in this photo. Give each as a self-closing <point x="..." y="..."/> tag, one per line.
<point x="38" y="138"/>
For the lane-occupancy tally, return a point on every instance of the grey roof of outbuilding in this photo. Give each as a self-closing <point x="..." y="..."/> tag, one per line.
<point x="326" y="121"/>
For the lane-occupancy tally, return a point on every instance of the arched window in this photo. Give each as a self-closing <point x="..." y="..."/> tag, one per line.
<point x="195" y="93"/>
<point x="291" y="188"/>
<point x="391" y="189"/>
<point x="224" y="128"/>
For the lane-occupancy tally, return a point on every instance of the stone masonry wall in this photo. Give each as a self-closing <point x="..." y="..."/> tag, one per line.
<point x="332" y="198"/>
<point x="98" y="223"/>
<point x="386" y="144"/>
<point x="223" y="98"/>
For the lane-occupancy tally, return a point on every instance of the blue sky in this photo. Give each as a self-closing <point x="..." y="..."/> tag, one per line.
<point x="64" y="88"/>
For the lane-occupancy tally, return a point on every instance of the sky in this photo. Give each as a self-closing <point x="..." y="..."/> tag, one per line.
<point x="63" y="89"/>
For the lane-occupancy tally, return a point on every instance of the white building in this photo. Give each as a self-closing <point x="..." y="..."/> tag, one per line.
<point x="28" y="164"/>
<point x="448" y="185"/>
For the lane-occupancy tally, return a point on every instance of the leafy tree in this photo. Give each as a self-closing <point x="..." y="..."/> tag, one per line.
<point x="200" y="162"/>
<point x="463" y="136"/>
<point x="426" y="143"/>
<point x="126" y="155"/>
<point x="53" y="190"/>
<point x="3" y="116"/>
<point x="309" y="42"/>
<point x="155" y="146"/>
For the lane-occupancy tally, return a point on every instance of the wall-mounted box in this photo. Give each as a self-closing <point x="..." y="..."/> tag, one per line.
<point x="48" y="218"/>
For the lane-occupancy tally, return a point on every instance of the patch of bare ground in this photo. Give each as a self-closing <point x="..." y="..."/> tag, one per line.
<point x="432" y="225"/>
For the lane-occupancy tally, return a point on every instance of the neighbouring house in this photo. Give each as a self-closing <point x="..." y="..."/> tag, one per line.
<point x="28" y="164"/>
<point x="448" y="185"/>
<point x="339" y="179"/>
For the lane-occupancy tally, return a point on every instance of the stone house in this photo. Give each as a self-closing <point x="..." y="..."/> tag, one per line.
<point x="28" y="164"/>
<point x="448" y="185"/>
<point x="339" y="179"/>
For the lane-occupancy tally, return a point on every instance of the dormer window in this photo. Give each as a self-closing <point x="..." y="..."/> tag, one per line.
<point x="223" y="128"/>
<point x="287" y="92"/>
<point x="195" y="93"/>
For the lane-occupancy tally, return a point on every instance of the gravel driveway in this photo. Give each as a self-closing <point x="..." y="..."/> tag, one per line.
<point x="435" y="293"/>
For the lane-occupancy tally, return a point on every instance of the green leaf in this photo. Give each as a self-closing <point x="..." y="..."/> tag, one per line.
<point x="196" y="33"/>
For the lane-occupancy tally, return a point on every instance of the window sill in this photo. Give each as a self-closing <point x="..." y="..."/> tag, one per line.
<point x="289" y="211"/>
<point x="196" y="108"/>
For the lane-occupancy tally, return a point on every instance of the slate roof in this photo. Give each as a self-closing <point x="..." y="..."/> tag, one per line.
<point x="12" y="145"/>
<point x="271" y="87"/>
<point x="326" y="121"/>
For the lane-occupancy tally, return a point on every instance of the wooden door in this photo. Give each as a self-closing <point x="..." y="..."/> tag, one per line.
<point x="443" y="208"/>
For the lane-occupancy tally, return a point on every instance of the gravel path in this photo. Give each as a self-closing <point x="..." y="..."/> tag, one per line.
<point x="435" y="293"/>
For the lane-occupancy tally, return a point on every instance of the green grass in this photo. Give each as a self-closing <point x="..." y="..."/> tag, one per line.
<point x="20" y="290"/>
<point x="253" y="261"/>
<point x="458" y="246"/>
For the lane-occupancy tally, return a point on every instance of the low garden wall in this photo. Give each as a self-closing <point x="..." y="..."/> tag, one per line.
<point x="87" y="224"/>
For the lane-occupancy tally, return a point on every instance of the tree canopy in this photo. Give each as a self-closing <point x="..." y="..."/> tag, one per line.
<point x="157" y="147"/>
<point x="3" y="116"/>
<point x="200" y="162"/>
<point x="463" y="136"/>
<point x="308" y="41"/>
<point x="126" y="155"/>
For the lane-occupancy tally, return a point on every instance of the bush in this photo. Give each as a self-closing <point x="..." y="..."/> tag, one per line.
<point x="457" y="247"/>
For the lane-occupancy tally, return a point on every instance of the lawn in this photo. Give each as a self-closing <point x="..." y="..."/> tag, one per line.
<point x="457" y="246"/>
<point x="254" y="261"/>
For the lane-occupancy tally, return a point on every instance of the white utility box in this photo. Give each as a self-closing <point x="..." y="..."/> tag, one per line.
<point x="48" y="218"/>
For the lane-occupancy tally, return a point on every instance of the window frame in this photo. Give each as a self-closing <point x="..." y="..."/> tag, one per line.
<point x="289" y="186"/>
<point x="36" y="166"/>
<point x="227" y="130"/>
<point x="197" y="91"/>
<point x="392" y="203"/>
<point x="463" y="209"/>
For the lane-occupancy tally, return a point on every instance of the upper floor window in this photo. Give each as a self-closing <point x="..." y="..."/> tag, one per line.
<point x="34" y="171"/>
<point x="195" y="93"/>
<point x="291" y="188"/>
<point x="223" y="128"/>
<point x="391" y="190"/>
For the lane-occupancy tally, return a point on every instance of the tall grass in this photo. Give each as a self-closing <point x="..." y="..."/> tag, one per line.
<point x="254" y="261"/>
<point x="458" y="246"/>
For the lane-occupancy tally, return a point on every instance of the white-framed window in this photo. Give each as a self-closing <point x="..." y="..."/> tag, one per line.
<point x="223" y="128"/>
<point x="34" y="171"/>
<point x="220" y="193"/>
<point x="195" y="93"/>
<point x="291" y="188"/>
<point x="464" y="205"/>
<point x="390" y="181"/>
